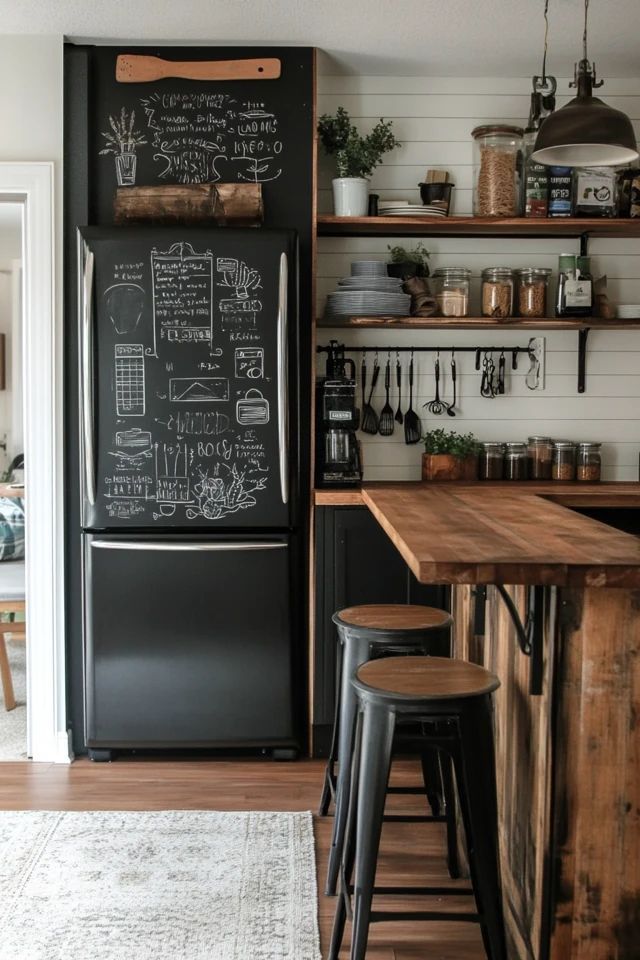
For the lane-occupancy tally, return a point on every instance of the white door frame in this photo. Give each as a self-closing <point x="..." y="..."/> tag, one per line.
<point x="32" y="185"/>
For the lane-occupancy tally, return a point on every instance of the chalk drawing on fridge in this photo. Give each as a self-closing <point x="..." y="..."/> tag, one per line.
<point x="130" y="379"/>
<point x="224" y="490"/>
<point x="182" y="281"/>
<point x="239" y="310"/>
<point x="133" y="447"/>
<point x="124" y="303"/>
<point x="198" y="389"/>
<point x="172" y="477"/>
<point x="249" y="363"/>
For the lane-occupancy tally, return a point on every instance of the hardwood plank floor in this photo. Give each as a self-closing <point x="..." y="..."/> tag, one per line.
<point x="410" y="853"/>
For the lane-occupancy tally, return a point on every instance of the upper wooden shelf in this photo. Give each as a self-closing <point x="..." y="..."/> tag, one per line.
<point x="330" y="226"/>
<point x="474" y="323"/>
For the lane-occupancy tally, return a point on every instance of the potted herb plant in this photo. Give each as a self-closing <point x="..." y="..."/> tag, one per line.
<point x="122" y="141"/>
<point x="408" y="263"/>
<point x="450" y="456"/>
<point x="356" y="159"/>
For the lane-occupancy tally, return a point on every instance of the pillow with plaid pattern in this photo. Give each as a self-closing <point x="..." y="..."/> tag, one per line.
<point x="11" y="528"/>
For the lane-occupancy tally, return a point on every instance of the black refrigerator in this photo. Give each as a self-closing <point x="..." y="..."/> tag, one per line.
<point x="189" y="425"/>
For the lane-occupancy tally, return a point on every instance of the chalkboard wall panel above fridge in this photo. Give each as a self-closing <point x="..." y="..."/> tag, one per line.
<point x="193" y="131"/>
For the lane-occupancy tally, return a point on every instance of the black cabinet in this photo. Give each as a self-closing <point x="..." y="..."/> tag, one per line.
<point x="356" y="563"/>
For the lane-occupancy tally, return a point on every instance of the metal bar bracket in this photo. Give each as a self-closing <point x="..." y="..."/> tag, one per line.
<point x="583" y="335"/>
<point x="530" y="634"/>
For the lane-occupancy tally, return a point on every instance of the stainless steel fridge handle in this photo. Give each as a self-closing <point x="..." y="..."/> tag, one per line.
<point x="213" y="547"/>
<point x="87" y="379"/>
<point x="283" y="379"/>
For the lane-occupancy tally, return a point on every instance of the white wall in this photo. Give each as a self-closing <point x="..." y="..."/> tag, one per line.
<point x="433" y="118"/>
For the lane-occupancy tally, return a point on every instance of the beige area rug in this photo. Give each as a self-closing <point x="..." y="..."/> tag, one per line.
<point x="13" y="724"/>
<point x="169" y="885"/>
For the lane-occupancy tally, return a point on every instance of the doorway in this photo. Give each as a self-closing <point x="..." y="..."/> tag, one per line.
<point x="29" y="187"/>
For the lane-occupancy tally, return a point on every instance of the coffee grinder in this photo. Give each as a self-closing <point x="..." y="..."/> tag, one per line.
<point x="337" y="448"/>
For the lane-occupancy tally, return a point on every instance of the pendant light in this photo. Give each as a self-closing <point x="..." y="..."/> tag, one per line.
<point x="586" y="132"/>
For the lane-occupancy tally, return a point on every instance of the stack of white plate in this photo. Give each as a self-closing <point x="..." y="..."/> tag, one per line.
<point x="628" y="311"/>
<point x="368" y="292"/>
<point x="402" y="208"/>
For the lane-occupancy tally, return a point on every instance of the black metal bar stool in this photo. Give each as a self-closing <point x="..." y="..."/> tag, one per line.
<point x="451" y="700"/>
<point x="366" y="632"/>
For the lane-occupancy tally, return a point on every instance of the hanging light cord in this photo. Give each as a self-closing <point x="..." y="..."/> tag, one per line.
<point x="584" y="35"/>
<point x="546" y="39"/>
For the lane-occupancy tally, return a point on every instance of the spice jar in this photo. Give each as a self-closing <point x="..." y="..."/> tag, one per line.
<point x="452" y="291"/>
<point x="540" y="451"/>
<point x="515" y="461"/>
<point x="491" y="461"/>
<point x="589" y="462"/>
<point x="497" y="292"/>
<point x="564" y="460"/>
<point x="497" y="166"/>
<point x="533" y="285"/>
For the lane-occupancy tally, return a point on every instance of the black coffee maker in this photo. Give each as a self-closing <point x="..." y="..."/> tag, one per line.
<point x="337" y="417"/>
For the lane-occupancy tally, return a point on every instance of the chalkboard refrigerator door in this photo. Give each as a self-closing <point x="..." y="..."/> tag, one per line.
<point x="188" y="641"/>
<point x="189" y="346"/>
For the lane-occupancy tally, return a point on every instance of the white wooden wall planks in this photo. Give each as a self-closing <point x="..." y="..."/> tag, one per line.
<point x="433" y="118"/>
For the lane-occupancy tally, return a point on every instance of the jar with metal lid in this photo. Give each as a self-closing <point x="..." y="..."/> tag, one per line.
<point x="452" y="291"/>
<point x="491" y="461"/>
<point x="564" y="460"/>
<point x="540" y="451"/>
<point x="497" y="165"/>
<point x="497" y="292"/>
<point x="515" y="461"/>
<point x="533" y="286"/>
<point x="589" y="462"/>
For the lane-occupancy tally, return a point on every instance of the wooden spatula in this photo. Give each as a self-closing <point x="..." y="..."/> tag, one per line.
<point x="131" y="68"/>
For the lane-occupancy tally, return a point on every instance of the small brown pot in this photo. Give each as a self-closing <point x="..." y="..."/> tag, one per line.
<point x="446" y="466"/>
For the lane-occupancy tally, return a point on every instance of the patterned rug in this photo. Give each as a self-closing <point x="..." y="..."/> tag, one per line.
<point x="13" y="724"/>
<point x="169" y="885"/>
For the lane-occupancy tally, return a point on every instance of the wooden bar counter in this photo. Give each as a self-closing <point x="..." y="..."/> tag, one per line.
<point x="568" y="747"/>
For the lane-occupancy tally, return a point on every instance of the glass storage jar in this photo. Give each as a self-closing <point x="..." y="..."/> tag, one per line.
<point x="452" y="291"/>
<point x="491" y="461"/>
<point x="497" y="292"/>
<point x="533" y="286"/>
<point x="589" y="462"/>
<point x="564" y="460"/>
<point x="540" y="450"/>
<point x="515" y="461"/>
<point x="497" y="163"/>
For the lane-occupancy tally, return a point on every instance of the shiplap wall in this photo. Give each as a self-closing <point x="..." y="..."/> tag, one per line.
<point x="433" y="118"/>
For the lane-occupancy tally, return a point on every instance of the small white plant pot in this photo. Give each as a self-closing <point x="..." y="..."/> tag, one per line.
<point x="350" y="196"/>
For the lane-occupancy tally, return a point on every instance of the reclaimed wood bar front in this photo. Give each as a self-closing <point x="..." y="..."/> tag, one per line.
<point x="568" y="754"/>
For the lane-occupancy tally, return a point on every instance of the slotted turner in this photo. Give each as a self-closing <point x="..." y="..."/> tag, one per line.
<point x="369" y="416"/>
<point x="386" y="425"/>
<point x="412" y="425"/>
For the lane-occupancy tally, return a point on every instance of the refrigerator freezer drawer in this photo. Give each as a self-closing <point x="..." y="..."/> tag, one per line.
<point x="187" y="643"/>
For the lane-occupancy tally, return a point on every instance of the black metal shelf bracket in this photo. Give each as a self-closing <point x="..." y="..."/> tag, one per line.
<point x="530" y="634"/>
<point x="583" y="336"/>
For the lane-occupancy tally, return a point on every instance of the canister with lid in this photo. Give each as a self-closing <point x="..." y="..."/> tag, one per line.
<point x="497" y="167"/>
<point x="491" y="461"/>
<point x="589" y="462"/>
<point x="533" y="286"/>
<point x="540" y="451"/>
<point x="452" y="291"/>
<point x="497" y="292"/>
<point x="515" y="461"/>
<point x="564" y="460"/>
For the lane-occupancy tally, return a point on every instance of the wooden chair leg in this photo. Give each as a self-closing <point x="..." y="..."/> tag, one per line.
<point x="5" y="676"/>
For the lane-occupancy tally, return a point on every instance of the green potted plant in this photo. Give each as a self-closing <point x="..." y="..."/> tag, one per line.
<point x="408" y="263"/>
<point x="450" y="456"/>
<point x="356" y="159"/>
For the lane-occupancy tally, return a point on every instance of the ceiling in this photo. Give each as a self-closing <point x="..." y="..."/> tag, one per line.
<point x="395" y="37"/>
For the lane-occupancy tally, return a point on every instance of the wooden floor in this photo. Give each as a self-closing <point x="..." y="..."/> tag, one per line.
<point x="410" y="853"/>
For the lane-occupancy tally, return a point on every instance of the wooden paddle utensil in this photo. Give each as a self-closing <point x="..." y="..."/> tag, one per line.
<point x="131" y="68"/>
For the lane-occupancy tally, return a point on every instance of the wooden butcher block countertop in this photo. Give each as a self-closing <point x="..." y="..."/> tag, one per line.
<point x="508" y="533"/>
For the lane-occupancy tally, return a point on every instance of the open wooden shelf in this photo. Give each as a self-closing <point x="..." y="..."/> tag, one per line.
<point x="475" y="323"/>
<point x="330" y="226"/>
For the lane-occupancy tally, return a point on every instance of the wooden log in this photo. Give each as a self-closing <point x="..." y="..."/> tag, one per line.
<point x="232" y="204"/>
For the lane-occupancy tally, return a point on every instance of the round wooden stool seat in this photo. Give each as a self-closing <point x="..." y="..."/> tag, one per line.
<point x="423" y="678"/>
<point x="393" y="616"/>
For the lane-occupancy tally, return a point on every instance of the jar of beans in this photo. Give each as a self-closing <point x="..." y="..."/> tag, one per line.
<point x="540" y="450"/>
<point x="563" y="466"/>
<point x="452" y="291"/>
<point x="491" y="461"/>
<point x="533" y="285"/>
<point x="497" y="292"/>
<point x="589" y="462"/>
<point x="497" y="164"/>
<point x="515" y="461"/>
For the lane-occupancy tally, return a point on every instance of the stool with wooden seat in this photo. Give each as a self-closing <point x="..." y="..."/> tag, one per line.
<point x="366" y="632"/>
<point x="12" y="601"/>
<point x="451" y="701"/>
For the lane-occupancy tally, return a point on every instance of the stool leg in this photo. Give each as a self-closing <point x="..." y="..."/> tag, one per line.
<point x="378" y="725"/>
<point x="475" y="774"/>
<point x="355" y="652"/>
<point x="329" y="773"/>
<point x="431" y="778"/>
<point x="5" y="674"/>
<point x="448" y="792"/>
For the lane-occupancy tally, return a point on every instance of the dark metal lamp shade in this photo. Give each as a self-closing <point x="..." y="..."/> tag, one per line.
<point x="586" y="132"/>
